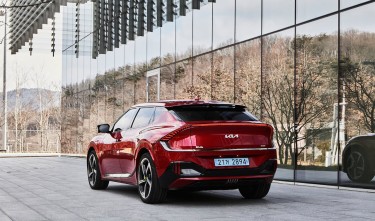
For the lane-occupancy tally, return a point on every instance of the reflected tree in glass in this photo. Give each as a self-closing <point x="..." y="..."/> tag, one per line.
<point x="183" y="77"/>
<point x="248" y="75"/>
<point x="222" y="75"/>
<point x="278" y="91"/>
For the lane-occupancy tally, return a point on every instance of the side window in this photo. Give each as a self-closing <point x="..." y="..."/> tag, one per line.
<point x="143" y="117"/>
<point x="125" y="120"/>
<point x="158" y="112"/>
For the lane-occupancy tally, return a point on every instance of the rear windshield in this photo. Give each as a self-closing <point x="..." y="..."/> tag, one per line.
<point x="203" y="113"/>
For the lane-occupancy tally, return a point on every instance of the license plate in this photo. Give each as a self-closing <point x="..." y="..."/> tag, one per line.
<point x="227" y="162"/>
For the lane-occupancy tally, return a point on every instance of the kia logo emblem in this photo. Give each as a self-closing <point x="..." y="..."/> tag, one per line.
<point x="231" y="136"/>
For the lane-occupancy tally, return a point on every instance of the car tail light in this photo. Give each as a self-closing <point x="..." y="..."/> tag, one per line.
<point x="177" y="140"/>
<point x="175" y="132"/>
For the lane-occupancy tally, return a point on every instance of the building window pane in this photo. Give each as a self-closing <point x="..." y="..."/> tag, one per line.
<point x="277" y="14"/>
<point x="184" y="38"/>
<point x="248" y="75"/>
<point x="222" y="75"/>
<point x="183" y="79"/>
<point x="316" y="102"/>
<point x="168" y="34"/>
<point x="278" y="92"/>
<point x="358" y="76"/>
<point x="202" y="28"/>
<point x="223" y="23"/>
<point x="348" y="3"/>
<point x="153" y="49"/>
<point x="248" y="19"/>
<point x="201" y="77"/>
<point x="167" y="77"/>
<point x="309" y="9"/>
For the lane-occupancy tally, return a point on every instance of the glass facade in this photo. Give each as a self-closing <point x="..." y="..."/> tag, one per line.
<point x="306" y="67"/>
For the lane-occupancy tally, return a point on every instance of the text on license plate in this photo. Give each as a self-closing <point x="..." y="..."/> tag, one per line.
<point x="223" y="162"/>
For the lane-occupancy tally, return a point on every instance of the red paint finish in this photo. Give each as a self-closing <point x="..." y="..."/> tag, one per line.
<point x="175" y="144"/>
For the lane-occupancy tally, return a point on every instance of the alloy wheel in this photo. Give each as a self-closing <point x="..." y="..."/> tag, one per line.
<point x="145" y="178"/>
<point x="91" y="170"/>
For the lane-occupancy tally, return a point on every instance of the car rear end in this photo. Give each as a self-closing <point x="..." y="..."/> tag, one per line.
<point x="215" y="146"/>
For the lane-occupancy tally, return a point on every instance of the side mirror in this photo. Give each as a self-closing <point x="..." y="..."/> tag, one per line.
<point x="103" y="128"/>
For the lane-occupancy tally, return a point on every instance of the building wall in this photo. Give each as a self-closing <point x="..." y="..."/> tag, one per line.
<point x="280" y="58"/>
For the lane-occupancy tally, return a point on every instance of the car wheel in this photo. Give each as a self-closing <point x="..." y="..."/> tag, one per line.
<point x="358" y="166"/>
<point x="149" y="188"/>
<point x="255" y="191"/>
<point x="93" y="173"/>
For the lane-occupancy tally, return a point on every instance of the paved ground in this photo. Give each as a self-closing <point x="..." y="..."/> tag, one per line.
<point x="53" y="188"/>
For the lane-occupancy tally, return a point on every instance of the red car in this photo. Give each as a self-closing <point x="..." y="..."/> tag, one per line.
<point x="189" y="144"/>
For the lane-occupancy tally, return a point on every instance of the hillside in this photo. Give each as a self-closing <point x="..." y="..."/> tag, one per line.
<point x="30" y="97"/>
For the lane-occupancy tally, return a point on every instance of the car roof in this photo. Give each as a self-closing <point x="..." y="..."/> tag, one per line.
<point x="177" y="103"/>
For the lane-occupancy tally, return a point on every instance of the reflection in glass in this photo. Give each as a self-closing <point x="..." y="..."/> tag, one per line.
<point x="248" y="19"/>
<point x="167" y="77"/>
<point x="129" y="97"/>
<point x="248" y="75"/>
<point x="222" y="83"/>
<point x="277" y="14"/>
<point x="152" y="88"/>
<point x="184" y="39"/>
<point x="202" y="28"/>
<point x="223" y="23"/>
<point x="316" y="102"/>
<point x="183" y="79"/>
<point x="74" y="73"/>
<point x="153" y="48"/>
<point x="141" y="51"/>
<point x="140" y="88"/>
<point x="168" y="43"/>
<point x="348" y="3"/>
<point x="278" y="92"/>
<point x="357" y="66"/>
<point x="129" y="58"/>
<point x="201" y="87"/>
<point x="309" y="9"/>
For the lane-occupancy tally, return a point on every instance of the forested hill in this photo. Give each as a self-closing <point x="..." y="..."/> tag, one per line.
<point x="32" y="98"/>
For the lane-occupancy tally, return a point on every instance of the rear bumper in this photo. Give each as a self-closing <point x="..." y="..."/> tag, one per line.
<point x="174" y="178"/>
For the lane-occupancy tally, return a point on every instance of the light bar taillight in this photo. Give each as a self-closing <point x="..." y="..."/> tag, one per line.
<point x="175" y="132"/>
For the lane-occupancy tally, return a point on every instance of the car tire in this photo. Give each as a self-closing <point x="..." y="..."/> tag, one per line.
<point x="255" y="191"/>
<point x="149" y="188"/>
<point x="94" y="174"/>
<point x="358" y="166"/>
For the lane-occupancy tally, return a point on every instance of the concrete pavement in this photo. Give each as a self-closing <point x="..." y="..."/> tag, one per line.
<point x="56" y="188"/>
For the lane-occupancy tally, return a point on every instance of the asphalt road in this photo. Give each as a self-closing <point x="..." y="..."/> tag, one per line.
<point x="53" y="188"/>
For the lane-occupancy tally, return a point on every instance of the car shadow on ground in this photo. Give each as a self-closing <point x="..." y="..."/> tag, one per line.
<point x="217" y="198"/>
<point x="123" y="189"/>
<point x="186" y="197"/>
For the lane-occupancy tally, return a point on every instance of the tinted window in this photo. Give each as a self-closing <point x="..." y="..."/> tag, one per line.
<point x="126" y="120"/>
<point x="213" y="114"/>
<point x="143" y="117"/>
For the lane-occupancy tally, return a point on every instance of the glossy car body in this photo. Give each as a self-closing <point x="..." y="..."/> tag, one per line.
<point x="183" y="152"/>
<point x="358" y="158"/>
